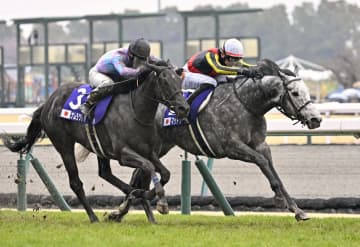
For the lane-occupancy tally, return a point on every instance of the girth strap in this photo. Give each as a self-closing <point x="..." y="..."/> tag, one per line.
<point x="200" y="139"/>
<point x="94" y="140"/>
<point x="197" y="133"/>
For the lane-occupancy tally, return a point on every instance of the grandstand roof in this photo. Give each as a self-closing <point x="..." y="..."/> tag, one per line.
<point x="306" y="69"/>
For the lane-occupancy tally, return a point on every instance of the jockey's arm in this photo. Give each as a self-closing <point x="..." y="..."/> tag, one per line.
<point x="213" y="60"/>
<point x="245" y="64"/>
<point x="122" y="69"/>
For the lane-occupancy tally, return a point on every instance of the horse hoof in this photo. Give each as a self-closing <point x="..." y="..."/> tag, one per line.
<point x="301" y="216"/>
<point x="116" y="216"/>
<point x="162" y="206"/>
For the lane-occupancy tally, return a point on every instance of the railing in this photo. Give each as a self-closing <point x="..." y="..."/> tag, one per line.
<point x="19" y="128"/>
<point x="276" y="127"/>
<point x="334" y="108"/>
<point x="12" y="122"/>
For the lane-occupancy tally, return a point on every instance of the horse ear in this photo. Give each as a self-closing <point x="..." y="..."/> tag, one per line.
<point x="281" y="73"/>
<point x="296" y="70"/>
<point x="154" y="67"/>
<point x="284" y="72"/>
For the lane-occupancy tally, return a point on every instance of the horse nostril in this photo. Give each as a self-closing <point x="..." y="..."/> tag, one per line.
<point x="316" y="119"/>
<point x="314" y="122"/>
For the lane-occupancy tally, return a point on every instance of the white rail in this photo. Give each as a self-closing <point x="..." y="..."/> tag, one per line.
<point x="276" y="127"/>
<point x="334" y="108"/>
<point x="324" y="108"/>
<point x="329" y="127"/>
<point x="16" y="111"/>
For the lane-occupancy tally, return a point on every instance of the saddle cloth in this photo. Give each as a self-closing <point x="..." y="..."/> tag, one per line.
<point x="197" y="102"/>
<point x="71" y="108"/>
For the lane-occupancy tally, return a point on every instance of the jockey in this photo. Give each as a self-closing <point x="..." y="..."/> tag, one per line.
<point x="214" y="65"/>
<point x="114" y="66"/>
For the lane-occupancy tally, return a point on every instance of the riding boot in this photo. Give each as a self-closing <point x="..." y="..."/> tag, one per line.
<point x="94" y="97"/>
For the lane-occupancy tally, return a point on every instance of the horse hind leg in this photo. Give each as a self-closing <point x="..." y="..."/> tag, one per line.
<point x="132" y="159"/>
<point x="138" y="180"/>
<point x="106" y="173"/>
<point x="75" y="182"/>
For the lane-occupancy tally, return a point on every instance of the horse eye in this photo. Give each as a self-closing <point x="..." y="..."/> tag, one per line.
<point x="296" y="94"/>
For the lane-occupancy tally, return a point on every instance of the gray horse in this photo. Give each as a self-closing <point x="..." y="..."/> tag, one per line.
<point x="235" y="127"/>
<point x="126" y="133"/>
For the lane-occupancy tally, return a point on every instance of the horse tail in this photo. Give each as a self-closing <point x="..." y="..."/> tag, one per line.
<point x="33" y="133"/>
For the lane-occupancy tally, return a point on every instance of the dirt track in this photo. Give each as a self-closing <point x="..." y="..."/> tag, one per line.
<point x="318" y="171"/>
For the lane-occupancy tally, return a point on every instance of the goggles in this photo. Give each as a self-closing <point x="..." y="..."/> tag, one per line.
<point x="233" y="59"/>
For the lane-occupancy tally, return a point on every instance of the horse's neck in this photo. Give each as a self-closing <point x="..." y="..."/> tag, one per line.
<point x="143" y="103"/>
<point x="253" y="97"/>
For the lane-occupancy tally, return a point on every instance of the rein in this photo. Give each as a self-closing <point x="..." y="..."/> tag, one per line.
<point x="286" y="82"/>
<point x="238" y="96"/>
<point x="163" y="100"/>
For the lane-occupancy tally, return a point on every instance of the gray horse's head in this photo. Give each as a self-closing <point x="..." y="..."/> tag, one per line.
<point x="170" y="93"/>
<point x="292" y="98"/>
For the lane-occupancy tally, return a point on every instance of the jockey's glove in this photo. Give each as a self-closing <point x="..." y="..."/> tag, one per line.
<point x="251" y="72"/>
<point x="179" y="71"/>
<point x="143" y="70"/>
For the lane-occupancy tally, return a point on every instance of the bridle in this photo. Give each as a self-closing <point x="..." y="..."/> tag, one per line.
<point x="287" y="94"/>
<point x="245" y="79"/>
<point x="280" y="107"/>
<point x="168" y="101"/>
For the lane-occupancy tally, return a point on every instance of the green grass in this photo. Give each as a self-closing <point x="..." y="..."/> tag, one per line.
<point x="73" y="229"/>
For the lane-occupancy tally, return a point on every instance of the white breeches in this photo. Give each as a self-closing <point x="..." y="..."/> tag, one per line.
<point x="98" y="79"/>
<point x="194" y="80"/>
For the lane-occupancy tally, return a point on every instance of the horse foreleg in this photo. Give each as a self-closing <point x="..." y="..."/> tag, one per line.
<point x="163" y="171"/>
<point x="261" y="156"/>
<point x="279" y="189"/>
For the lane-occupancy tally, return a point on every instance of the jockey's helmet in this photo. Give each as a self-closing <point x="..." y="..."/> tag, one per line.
<point x="140" y="48"/>
<point x="233" y="48"/>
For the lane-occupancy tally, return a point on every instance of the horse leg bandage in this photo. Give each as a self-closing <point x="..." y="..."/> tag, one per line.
<point x="155" y="180"/>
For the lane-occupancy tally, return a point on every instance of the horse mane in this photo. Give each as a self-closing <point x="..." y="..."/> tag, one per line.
<point x="269" y="67"/>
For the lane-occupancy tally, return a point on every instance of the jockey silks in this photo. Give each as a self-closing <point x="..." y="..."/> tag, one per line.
<point x="210" y="63"/>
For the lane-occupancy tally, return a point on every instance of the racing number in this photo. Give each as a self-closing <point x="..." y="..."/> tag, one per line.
<point x="75" y="106"/>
